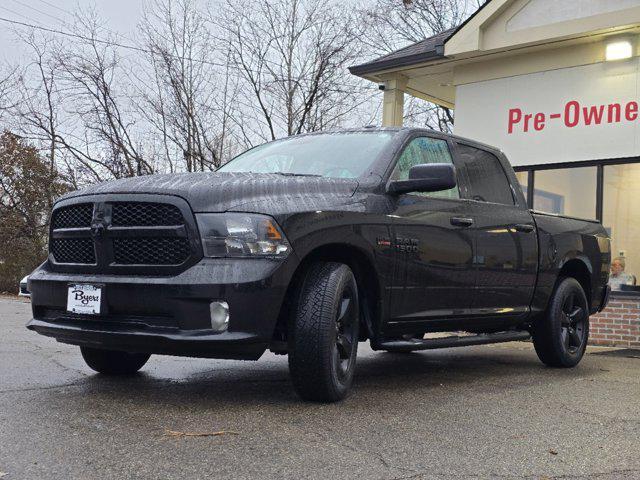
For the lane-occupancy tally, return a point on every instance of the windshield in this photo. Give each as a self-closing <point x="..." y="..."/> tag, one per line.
<point x="336" y="155"/>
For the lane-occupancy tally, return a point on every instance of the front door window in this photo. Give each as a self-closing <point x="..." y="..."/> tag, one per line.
<point x="422" y="150"/>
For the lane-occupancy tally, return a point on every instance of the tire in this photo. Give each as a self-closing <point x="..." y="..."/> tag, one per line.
<point x="323" y="333"/>
<point x="113" y="362"/>
<point x="560" y="338"/>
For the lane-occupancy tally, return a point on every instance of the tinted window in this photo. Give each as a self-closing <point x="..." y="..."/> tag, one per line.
<point x="423" y="150"/>
<point x="487" y="180"/>
<point x="566" y="191"/>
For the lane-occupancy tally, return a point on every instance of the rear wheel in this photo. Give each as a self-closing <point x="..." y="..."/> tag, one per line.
<point x="323" y="334"/>
<point x="113" y="362"/>
<point x="560" y="338"/>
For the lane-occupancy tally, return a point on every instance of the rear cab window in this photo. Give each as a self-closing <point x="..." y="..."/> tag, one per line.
<point x="485" y="177"/>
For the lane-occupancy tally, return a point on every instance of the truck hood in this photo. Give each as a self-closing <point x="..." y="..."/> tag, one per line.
<point x="219" y="192"/>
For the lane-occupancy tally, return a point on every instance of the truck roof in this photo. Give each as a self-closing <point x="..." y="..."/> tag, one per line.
<point x="408" y="130"/>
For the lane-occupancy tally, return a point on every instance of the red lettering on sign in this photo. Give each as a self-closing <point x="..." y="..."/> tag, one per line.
<point x="614" y="113"/>
<point x="631" y="112"/>
<point x="515" y="115"/>
<point x="593" y="115"/>
<point x="572" y="114"/>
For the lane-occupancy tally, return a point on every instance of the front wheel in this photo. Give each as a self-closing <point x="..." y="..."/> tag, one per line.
<point x="560" y="338"/>
<point x="113" y="362"/>
<point x="323" y="333"/>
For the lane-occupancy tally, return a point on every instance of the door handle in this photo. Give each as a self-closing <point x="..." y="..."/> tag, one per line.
<point x="461" y="221"/>
<point x="523" y="227"/>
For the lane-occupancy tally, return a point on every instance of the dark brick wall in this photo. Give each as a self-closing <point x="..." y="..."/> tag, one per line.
<point x="619" y="324"/>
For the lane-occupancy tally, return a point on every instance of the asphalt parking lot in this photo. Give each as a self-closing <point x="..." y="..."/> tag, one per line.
<point x="481" y="412"/>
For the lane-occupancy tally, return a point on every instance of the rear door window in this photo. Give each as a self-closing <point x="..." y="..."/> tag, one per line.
<point x="487" y="181"/>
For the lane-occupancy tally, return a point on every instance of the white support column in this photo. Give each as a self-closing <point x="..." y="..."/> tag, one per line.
<point x="393" y="103"/>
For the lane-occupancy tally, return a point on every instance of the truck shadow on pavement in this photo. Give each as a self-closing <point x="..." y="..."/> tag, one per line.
<point x="220" y="384"/>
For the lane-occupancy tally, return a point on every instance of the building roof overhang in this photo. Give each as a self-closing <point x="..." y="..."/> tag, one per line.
<point x="429" y="49"/>
<point x="486" y="39"/>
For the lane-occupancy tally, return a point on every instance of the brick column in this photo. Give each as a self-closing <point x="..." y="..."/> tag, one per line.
<point x="619" y="324"/>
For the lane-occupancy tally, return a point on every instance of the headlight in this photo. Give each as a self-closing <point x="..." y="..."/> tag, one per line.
<point x="241" y="235"/>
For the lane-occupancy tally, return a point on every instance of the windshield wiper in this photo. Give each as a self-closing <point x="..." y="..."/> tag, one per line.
<point x="291" y="174"/>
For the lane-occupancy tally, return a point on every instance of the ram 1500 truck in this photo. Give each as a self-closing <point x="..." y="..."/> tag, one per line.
<point x="311" y="244"/>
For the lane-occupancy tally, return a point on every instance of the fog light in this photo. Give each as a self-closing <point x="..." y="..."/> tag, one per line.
<point x="219" y="316"/>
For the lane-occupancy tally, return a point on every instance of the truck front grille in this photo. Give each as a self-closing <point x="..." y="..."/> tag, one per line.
<point x="108" y="236"/>
<point x="75" y="216"/>
<point x="150" y="251"/>
<point x="73" y="250"/>
<point x="140" y="214"/>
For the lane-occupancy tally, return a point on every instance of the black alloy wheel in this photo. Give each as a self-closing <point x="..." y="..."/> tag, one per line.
<point x="560" y="336"/>
<point x="346" y="332"/>
<point x="572" y="321"/>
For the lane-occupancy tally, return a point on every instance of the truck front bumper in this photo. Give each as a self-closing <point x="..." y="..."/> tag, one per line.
<point x="169" y="315"/>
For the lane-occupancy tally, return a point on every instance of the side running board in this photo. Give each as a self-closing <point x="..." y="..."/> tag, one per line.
<point x="453" y="341"/>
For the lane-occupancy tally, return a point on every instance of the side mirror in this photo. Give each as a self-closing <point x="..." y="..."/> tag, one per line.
<point x="428" y="177"/>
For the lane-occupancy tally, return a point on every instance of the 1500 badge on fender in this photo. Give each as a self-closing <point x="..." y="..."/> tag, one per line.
<point x="406" y="245"/>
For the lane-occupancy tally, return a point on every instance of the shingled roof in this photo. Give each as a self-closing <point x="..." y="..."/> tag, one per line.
<point x="428" y="49"/>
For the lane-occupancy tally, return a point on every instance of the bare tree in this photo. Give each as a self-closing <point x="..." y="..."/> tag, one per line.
<point x="7" y="87"/>
<point x="38" y="113"/>
<point x="180" y="89"/>
<point x="394" y="24"/>
<point x="91" y="74"/>
<point x="38" y="108"/>
<point x="73" y="106"/>
<point x="291" y="56"/>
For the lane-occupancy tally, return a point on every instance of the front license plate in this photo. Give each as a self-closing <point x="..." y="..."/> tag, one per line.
<point x="84" y="299"/>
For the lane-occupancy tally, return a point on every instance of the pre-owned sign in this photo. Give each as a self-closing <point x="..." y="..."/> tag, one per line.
<point x="573" y="114"/>
<point x="581" y="113"/>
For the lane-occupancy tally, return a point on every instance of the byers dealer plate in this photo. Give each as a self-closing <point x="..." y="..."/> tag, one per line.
<point x="84" y="299"/>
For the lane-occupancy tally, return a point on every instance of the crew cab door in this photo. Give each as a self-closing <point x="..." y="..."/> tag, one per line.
<point x="433" y="242"/>
<point x="506" y="241"/>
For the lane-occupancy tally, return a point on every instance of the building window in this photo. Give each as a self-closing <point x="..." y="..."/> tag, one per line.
<point x="523" y="179"/>
<point x="621" y="215"/>
<point x="566" y="191"/>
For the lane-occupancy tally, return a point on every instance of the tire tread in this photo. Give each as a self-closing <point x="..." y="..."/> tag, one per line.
<point x="310" y="340"/>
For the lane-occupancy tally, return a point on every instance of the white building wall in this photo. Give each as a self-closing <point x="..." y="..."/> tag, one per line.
<point x="537" y="13"/>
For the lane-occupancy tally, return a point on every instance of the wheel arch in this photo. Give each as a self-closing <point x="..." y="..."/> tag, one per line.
<point x="580" y="270"/>
<point x="363" y="267"/>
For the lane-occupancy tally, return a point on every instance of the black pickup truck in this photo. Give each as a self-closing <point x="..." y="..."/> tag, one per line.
<point x="311" y="244"/>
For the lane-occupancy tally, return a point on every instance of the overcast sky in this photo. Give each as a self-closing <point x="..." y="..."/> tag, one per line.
<point x="121" y="16"/>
